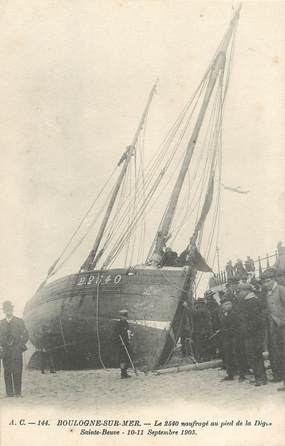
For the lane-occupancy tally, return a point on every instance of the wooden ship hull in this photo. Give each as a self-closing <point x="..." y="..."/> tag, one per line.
<point x="80" y="310"/>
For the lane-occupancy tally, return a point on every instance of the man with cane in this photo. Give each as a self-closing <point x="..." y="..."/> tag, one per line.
<point x="122" y="336"/>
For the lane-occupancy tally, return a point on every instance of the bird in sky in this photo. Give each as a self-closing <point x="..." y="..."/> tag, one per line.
<point x="236" y="189"/>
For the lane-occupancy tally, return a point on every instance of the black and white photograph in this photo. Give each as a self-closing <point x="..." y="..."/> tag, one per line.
<point x="142" y="222"/>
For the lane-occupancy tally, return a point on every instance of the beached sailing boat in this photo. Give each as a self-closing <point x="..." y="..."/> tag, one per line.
<point x="74" y="316"/>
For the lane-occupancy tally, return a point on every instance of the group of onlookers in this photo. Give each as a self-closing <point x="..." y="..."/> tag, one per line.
<point x="248" y="320"/>
<point x="240" y="269"/>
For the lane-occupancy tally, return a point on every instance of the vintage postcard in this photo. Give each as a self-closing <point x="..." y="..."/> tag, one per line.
<point x="142" y="222"/>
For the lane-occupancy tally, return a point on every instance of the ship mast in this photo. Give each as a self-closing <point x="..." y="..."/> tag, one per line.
<point x="94" y="254"/>
<point x="216" y="69"/>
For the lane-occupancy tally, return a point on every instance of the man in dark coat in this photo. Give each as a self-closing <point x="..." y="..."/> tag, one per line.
<point x="249" y="265"/>
<point x="122" y="335"/>
<point x="239" y="269"/>
<point x="255" y="323"/>
<point x="275" y="300"/>
<point x="169" y="258"/>
<point x="229" y="270"/>
<point x="214" y="310"/>
<point x="13" y="339"/>
<point x="202" y="330"/>
<point x="186" y="331"/>
<point x="47" y="360"/>
<point x="240" y="335"/>
<point x="232" y="288"/>
<point x="228" y="327"/>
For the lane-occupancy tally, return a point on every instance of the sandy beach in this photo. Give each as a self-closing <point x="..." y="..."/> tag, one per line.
<point x="104" y="389"/>
<point x="199" y="396"/>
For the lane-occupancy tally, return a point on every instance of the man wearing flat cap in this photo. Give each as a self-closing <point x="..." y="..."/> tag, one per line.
<point x="275" y="300"/>
<point x="122" y="335"/>
<point x="13" y="339"/>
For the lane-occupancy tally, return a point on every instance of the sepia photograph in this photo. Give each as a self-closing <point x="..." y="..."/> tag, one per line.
<point x="142" y="222"/>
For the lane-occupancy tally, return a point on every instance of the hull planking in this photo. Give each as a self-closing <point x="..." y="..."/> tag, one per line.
<point x="81" y="310"/>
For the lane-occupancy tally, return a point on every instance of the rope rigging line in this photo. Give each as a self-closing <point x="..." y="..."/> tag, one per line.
<point x="184" y="130"/>
<point x="97" y="322"/>
<point x="129" y="214"/>
<point x="178" y="131"/>
<point x="95" y="219"/>
<point x="177" y="145"/>
<point x="140" y="173"/>
<point x="144" y="206"/>
<point x="122" y="238"/>
<point x="216" y="209"/>
<point x="220" y="135"/>
<point x="228" y="72"/>
<point x="127" y="233"/>
<point x="223" y="95"/>
<point x="217" y="214"/>
<point x="111" y="228"/>
<point x="212" y="136"/>
<point x="134" y="210"/>
<point x="175" y="127"/>
<point x="52" y="268"/>
<point x="143" y="230"/>
<point x="204" y="175"/>
<point x="165" y="167"/>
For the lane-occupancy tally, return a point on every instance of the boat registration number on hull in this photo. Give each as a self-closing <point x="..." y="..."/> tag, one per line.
<point x="101" y="279"/>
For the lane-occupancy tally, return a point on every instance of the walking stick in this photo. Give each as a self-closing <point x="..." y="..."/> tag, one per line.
<point x="125" y="347"/>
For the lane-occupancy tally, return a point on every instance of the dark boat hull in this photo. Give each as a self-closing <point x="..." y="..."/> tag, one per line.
<point x="81" y="310"/>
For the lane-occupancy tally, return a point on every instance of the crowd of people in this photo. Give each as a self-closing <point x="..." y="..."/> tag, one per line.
<point x="246" y="320"/>
<point x="240" y="269"/>
<point x="249" y="319"/>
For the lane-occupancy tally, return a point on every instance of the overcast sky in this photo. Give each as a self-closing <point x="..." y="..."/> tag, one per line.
<point x="74" y="80"/>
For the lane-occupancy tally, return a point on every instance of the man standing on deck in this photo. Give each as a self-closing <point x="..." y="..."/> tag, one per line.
<point x="122" y="335"/>
<point x="275" y="300"/>
<point x="169" y="258"/>
<point x="13" y="339"/>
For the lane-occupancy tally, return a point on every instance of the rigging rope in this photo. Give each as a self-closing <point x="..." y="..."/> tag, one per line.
<point x="154" y="165"/>
<point x="97" y="322"/>
<point x="52" y="269"/>
<point x="144" y="186"/>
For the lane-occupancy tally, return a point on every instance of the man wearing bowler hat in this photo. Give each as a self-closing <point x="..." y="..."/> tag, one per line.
<point x="13" y="339"/>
